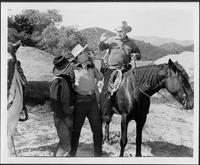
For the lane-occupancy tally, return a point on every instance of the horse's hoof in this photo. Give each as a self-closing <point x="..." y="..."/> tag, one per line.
<point x="138" y="155"/>
<point x="121" y="155"/>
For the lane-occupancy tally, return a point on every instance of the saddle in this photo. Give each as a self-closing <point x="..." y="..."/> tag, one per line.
<point x="114" y="81"/>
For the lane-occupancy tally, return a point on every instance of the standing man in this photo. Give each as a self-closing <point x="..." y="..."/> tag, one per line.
<point x="62" y="101"/>
<point x="86" y="106"/>
<point x="120" y="50"/>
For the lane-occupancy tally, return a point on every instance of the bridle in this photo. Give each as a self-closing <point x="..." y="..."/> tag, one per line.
<point x="184" y="103"/>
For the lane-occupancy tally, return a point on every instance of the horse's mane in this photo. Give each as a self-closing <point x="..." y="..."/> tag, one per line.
<point x="147" y="74"/>
<point x="182" y="70"/>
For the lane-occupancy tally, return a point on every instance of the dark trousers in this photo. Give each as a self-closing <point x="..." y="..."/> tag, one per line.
<point x="87" y="107"/>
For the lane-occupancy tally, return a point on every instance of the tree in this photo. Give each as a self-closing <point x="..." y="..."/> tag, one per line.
<point x="60" y="41"/>
<point x="29" y="25"/>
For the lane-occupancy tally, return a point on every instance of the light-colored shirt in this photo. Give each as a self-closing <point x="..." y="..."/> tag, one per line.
<point x="85" y="79"/>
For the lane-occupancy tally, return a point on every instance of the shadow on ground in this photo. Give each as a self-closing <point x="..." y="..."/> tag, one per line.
<point x="84" y="150"/>
<point x="157" y="149"/>
<point x="165" y="149"/>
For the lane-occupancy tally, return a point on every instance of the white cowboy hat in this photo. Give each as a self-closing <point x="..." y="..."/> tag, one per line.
<point x="125" y="27"/>
<point x="77" y="50"/>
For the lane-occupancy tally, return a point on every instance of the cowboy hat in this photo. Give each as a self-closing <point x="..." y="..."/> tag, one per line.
<point x="77" y="50"/>
<point x="61" y="63"/>
<point x="125" y="27"/>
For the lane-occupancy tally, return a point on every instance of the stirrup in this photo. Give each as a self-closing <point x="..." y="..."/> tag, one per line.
<point x="24" y="112"/>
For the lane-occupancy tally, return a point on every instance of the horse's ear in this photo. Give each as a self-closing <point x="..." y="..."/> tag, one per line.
<point x="172" y="65"/>
<point x="17" y="45"/>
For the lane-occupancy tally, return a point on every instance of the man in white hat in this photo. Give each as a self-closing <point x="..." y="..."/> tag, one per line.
<point x="86" y="105"/>
<point x="120" y="50"/>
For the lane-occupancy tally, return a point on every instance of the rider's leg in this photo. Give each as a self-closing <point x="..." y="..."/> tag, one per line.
<point x="105" y="103"/>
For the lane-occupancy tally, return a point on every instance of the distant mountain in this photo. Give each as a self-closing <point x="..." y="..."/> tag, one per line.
<point x="148" y="51"/>
<point x="176" y="48"/>
<point x="189" y="48"/>
<point x="93" y="35"/>
<point x="157" y="41"/>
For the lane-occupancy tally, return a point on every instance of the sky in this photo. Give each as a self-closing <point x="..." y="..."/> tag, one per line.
<point x="171" y="20"/>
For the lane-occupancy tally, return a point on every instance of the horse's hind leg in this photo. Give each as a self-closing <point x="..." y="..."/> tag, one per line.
<point x="139" y="126"/>
<point x="124" y="126"/>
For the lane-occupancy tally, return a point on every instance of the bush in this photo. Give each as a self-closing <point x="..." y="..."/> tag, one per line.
<point x="29" y="25"/>
<point x="60" y="41"/>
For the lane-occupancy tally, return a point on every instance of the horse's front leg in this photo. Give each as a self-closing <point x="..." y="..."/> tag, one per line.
<point x="107" y="118"/>
<point x="139" y="126"/>
<point x="106" y="136"/>
<point x="124" y="126"/>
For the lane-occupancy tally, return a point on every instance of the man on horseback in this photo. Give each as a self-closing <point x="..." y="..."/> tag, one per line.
<point x="120" y="50"/>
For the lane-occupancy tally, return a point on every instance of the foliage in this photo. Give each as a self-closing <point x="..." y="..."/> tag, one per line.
<point x="60" y="41"/>
<point x="29" y="25"/>
<point x="40" y="30"/>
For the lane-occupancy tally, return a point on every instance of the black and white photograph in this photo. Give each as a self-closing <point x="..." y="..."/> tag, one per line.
<point x="100" y="82"/>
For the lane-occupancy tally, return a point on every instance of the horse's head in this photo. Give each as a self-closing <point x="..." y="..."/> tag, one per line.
<point x="11" y="60"/>
<point x="177" y="83"/>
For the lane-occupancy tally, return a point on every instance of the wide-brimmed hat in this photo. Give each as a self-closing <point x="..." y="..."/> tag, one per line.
<point x="77" y="50"/>
<point x="125" y="27"/>
<point x="61" y="63"/>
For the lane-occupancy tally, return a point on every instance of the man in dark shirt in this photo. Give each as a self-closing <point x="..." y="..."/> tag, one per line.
<point x="61" y="102"/>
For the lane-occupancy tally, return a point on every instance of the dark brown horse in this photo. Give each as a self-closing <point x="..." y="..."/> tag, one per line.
<point x="132" y="100"/>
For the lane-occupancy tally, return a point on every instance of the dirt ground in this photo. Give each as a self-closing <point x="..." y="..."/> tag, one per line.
<point x="168" y="132"/>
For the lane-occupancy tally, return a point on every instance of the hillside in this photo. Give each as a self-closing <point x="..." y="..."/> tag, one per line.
<point x="189" y="48"/>
<point x="176" y="48"/>
<point x="149" y="51"/>
<point x="157" y="41"/>
<point x="186" y="59"/>
<point x="93" y="36"/>
<point x="37" y="64"/>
